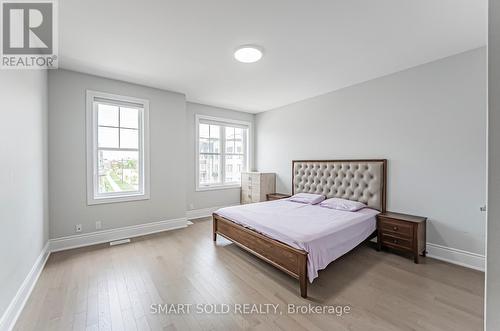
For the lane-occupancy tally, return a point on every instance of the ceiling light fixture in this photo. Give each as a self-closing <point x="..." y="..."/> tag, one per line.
<point x="248" y="53"/>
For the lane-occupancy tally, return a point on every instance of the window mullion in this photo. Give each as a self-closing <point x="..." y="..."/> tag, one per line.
<point x="118" y="149"/>
<point x="95" y="147"/>
<point x="119" y="124"/>
<point x="246" y="151"/>
<point x="140" y="157"/>
<point x="223" y="153"/>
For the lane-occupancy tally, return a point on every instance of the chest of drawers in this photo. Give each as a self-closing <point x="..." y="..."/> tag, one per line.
<point x="256" y="185"/>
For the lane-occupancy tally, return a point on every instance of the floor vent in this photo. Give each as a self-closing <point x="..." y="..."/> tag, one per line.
<point x="119" y="242"/>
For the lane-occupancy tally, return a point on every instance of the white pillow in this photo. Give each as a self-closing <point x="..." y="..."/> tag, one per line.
<point x="308" y="198"/>
<point x="342" y="204"/>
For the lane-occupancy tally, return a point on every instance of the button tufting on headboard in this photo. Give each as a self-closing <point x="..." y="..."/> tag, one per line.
<point x="359" y="180"/>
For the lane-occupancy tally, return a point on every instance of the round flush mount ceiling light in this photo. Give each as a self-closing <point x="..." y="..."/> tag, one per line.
<point x="248" y="53"/>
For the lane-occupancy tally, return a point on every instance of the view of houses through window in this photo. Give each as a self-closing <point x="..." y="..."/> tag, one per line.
<point x="118" y="149"/>
<point x="222" y="153"/>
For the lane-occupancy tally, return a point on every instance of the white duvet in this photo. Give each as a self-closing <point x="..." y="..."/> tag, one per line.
<point x="326" y="234"/>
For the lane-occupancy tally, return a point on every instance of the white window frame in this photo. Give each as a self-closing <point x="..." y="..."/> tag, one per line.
<point x="93" y="195"/>
<point x="249" y="152"/>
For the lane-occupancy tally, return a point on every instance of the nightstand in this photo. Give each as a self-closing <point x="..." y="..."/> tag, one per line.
<point x="276" y="196"/>
<point x="405" y="233"/>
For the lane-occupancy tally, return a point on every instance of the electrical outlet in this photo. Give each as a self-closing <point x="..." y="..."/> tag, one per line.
<point x="191" y="206"/>
<point x="78" y="228"/>
<point x="98" y="225"/>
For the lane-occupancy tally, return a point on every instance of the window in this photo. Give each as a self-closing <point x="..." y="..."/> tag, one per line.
<point x="222" y="152"/>
<point x="117" y="148"/>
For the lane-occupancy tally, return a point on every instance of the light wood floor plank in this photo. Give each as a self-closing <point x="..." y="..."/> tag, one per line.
<point x="114" y="288"/>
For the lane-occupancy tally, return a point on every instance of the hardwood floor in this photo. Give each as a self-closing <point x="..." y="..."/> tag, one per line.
<point x="112" y="288"/>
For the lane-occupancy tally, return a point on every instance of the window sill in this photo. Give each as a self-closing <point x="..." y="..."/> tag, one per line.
<point x="117" y="199"/>
<point x="217" y="187"/>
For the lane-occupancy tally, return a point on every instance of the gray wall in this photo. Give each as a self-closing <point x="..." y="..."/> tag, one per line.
<point x="23" y="176"/>
<point x="493" y="250"/>
<point x="67" y="166"/>
<point x="213" y="198"/>
<point x="428" y="121"/>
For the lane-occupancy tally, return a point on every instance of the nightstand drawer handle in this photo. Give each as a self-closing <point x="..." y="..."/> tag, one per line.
<point x="395" y="241"/>
<point x="395" y="228"/>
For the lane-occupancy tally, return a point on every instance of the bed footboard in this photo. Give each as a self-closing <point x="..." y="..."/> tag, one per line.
<point x="284" y="257"/>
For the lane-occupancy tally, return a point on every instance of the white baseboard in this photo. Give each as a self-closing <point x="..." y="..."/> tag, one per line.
<point x="204" y="212"/>
<point x="456" y="256"/>
<point x="17" y="304"/>
<point x="199" y="213"/>
<point x="99" y="237"/>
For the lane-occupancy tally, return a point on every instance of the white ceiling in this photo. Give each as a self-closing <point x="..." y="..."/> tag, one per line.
<point x="311" y="47"/>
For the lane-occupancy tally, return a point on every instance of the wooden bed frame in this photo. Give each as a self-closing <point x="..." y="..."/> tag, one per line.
<point x="291" y="260"/>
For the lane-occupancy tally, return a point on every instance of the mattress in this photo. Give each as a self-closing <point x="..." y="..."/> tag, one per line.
<point x="326" y="234"/>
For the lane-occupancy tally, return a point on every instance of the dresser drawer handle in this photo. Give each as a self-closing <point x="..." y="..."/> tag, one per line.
<point x="395" y="241"/>
<point x="395" y="228"/>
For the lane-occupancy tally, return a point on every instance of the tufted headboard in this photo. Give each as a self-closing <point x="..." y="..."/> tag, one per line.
<point x="358" y="180"/>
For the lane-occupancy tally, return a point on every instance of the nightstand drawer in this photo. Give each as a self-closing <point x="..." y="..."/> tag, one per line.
<point x="276" y="196"/>
<point x="401" y="229"/>
<point x="397" y="242"/>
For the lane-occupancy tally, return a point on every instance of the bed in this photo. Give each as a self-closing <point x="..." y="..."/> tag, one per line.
<point x="301" y="239"/>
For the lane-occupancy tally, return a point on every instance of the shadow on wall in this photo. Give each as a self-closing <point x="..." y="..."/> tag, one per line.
<point x="280" y="185"/>
<point x="435" y="227"/>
